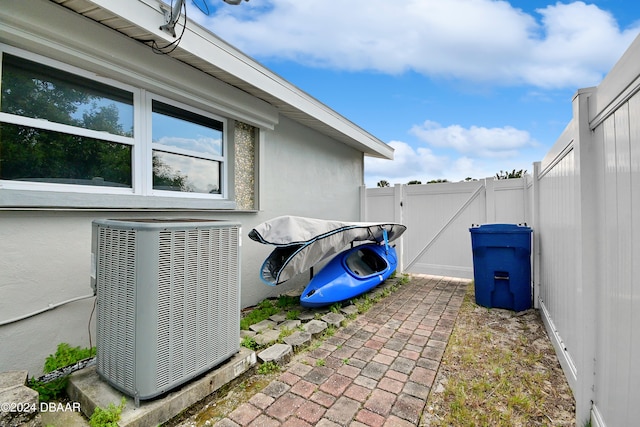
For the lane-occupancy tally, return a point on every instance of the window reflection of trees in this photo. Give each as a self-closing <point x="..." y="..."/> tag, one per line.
<point x="174" y="172"/>
<point x="43" y="151"/>
<point x="38" y="154"/>
<point x="166" y="178"/>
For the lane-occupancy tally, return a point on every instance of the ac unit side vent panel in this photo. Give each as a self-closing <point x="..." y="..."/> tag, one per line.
<point x="116" y="314"/>
<point x="168" y="302"/>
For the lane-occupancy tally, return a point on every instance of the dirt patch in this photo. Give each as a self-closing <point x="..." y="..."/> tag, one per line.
<point x="499" y="369"/>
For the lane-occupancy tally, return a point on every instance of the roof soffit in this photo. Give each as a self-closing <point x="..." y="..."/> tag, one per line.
<point x="205" y="51"/>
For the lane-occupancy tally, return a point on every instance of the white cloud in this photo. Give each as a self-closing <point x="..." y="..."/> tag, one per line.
<point x="475" y="152"/>
<point x="408" y="164"/>
<point x="198" y="144"/>
<point x="580" y="43"/>
<point x="475" y="141"/>
<point x="478" y="40"/>
<point x="421" y="164"/>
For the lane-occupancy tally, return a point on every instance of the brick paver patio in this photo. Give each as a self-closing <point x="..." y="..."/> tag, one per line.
<point x="376" y="371"/>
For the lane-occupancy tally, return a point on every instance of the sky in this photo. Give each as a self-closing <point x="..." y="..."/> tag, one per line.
<point x="459" y="88"/>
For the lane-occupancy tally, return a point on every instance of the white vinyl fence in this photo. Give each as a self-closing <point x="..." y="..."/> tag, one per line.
<point x="583" y="203"/>
<point x="587" y="212"/>
<point x="438" y="218"/>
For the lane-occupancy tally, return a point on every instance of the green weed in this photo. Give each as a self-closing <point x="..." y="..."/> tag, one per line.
<point x="263" y="311"/>
<point x="286" y="301"/>
<point x="268" y="368"/>
<point x="293" y="314"/>
<point x="107" y="417"/>
<point x="249" y="342"/>
<point x="65" y="355"/>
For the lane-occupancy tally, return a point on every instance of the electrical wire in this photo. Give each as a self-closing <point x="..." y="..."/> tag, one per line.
<point x="95" y="302"/>
<point x="53" y="306"/>
<point x="49" y="308"/>
<point x="170" y="47"/>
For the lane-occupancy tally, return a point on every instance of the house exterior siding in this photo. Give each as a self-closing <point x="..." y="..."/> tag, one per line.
<point x="277" y="166"/>
<point x="47" y="252"/>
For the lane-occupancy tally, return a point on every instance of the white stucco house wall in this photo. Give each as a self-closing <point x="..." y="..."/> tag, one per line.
<point x="69" y="67"/>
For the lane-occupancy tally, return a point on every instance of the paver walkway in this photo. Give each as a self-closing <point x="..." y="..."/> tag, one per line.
<point x="376" y="371"/>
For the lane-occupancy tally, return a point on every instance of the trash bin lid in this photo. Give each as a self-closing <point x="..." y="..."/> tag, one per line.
<point x="500" y="228"/>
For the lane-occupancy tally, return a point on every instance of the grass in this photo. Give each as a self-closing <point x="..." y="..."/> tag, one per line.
<point x="493" y="376"/>
<point x="285" y="333"/>
<point x="268" y="308"/>
<point x="250" y="343"/>
<point x="292" y="314"/>
<point x="268" y="368"/>
<point x="262" y="312"/>
<point x="286" y="301"/>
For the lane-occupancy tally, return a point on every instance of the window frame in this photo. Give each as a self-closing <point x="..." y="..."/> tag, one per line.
<point x="222" y="159"/>
<point x="141" y="194"/>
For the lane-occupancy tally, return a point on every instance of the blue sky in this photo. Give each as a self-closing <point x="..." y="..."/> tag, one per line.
<point x="459" y="88"/>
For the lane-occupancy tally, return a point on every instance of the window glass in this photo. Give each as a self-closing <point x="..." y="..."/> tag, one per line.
<point x="175" y="127"/>
<point x="174" y="172"/>
<point x="64" y="127"/>
<point x="35" y="90"/>
<point x="30" y="154"/>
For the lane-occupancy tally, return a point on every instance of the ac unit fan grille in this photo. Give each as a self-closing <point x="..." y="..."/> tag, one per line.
<point x="197" y="304"/>
<point x="116" y="314"/>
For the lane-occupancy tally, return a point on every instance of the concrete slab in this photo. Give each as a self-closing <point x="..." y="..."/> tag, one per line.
<point x="19" y="407"/>
<point x="289" y="325"/>
<point x="307" y="315"/>
<point x="279" y="353"/>
<point x="63" y="419"/>
<point x="278" y="318"/>
<point x="334" y="319"/>
<point x="267" y="337"/>
<point x="298" y="339"/>
<point x="87" y="388"/>
<point x="315" y="327"/>
<point x="349" y="310"/>
<point x="12" y="379"/>
<point x="244" y="333"/>
<point x="262" y="325"/>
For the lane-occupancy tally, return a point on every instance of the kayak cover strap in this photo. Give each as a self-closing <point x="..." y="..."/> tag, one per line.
<point x="386" y="240"/>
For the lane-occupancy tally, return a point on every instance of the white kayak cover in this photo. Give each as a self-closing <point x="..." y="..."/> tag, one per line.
<point x="303" y="242"/>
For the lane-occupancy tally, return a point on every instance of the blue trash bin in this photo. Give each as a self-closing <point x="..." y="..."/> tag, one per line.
<point x="502" y="265"/>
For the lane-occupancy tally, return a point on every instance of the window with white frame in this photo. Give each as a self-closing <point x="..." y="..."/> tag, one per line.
<point x="187" y="150"/>
<point x="61" y="128"/>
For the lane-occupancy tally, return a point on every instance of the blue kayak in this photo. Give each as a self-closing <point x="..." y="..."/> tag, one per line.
<point x="301" y="243"/>
<point x="349" y="274"/>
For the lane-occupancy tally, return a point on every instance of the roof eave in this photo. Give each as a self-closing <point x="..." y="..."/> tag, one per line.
<point x="205" y="51"/>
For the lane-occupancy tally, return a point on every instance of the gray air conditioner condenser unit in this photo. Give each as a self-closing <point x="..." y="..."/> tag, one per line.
<point x="168" y="300"/>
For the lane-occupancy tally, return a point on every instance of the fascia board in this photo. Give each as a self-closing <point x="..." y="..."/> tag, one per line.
<point x="200" y="42"/>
